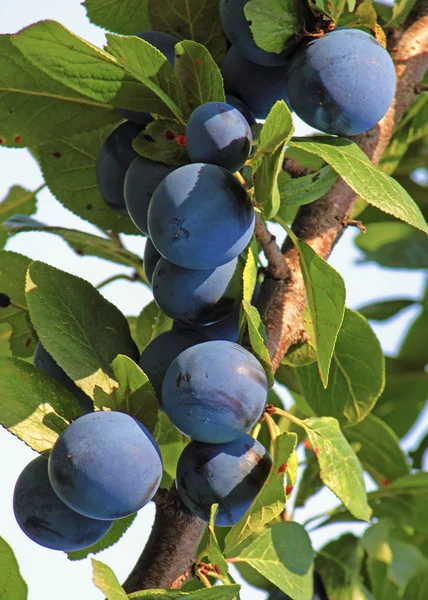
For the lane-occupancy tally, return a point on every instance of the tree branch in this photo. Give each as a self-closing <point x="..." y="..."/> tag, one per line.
<point x="167" y="559"/>
<point x="321" y="223"/>
<point x="277" y="266"/>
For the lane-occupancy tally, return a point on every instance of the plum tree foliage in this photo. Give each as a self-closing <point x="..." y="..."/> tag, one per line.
<point x="180" y="131"/>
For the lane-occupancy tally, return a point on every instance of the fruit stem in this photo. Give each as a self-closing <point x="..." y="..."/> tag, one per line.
<point x="240" y="179"/>
<point x="292" y="418"/>
<point x="272" y="426"/>
<point x="116" y="278"/>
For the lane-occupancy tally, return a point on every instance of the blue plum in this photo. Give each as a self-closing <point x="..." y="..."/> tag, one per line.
<point x="113" y="160"/>
<point x="230" y="475"/>
<point x="214" y="392"/>
<point x="45" y="519"/>
<point x="217" y="133"/>
<point x="238" y="32"/>
<point x="243" y="108"/>
<point x="141" y="180"/>
<point x="226" y="329"/>
<point x="150" y="260"/>
<point x="44" y="361"/>
<point x="200" y="217"/>
<point x="258" y="87"/>
<point x="165" y="42"/>
<point x="197" y="297"/>
<point x="105" y="465"/>
<point x="162" y="350"/>
<point x="342" y="83"/>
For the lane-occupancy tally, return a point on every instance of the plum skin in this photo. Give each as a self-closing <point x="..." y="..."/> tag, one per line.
<point x="200" y="217"/>
<point x="162" y="350"/>
<point x="141" y="179"/>
<point x="105" y="465"/>
<point x="44" y="361"/>
<point x="218" y="133"/>
<point x="214" y="392"/>
<point x="256" y="86"/>
<point x="197" y="297"/>
<point x="342" y="83"/>
<point x="114" y="158"/>
<point x="230" y="475"/>
<point x="238" y="32"/>
<point x="150" y="259"/>
<point x="45" y="519"/>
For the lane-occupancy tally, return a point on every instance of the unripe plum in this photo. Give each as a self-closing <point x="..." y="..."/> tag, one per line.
<point x="150" y="259"/>
<point x="44" y="361"/>
<point x="200" y="217"/>
<point x="230" y="475"/>
<point x="165" y="42"/>
<point x="105" y="465"/>
<point x="217" y="133"/>
<point x="162" y="350"/>
<point x="342" y="83"/>
<point x="141" y="180"/>
<point x="238" y="32"/>
<point x="258" y="87"/>
<point x="113" y="160"/>
<point x="214" y="392"/>
<point x="197" y="297"/>
<point x="45" y="519"/>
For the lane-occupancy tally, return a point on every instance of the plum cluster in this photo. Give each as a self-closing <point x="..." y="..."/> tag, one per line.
<point x="341" y="83"/>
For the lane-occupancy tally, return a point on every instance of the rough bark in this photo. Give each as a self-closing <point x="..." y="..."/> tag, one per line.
<point x="167" y="559"/>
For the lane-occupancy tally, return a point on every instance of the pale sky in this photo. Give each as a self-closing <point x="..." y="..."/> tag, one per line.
<point x="49" y="574"/>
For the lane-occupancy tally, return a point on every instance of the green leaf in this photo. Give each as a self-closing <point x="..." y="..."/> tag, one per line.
<point x="270" y="501"/>
<point x="404" y="500"/>
<point x="163" y="141"/>
<point x="219" y="592"/>
<point x="384" y="310"/>
<point x="34" y="108"/>
<point x="267" y="162"/>
<point x="113" y="535"/>
<point x="394" y="244"/>
<point x="274" y="22"/>
<point x="148" y="65"/>
<point x="12" y="584"/>
<point x="403" y="381"/>
<point x="84" y="244"/>
<point x="151" y="322"/>
<point x="197" y="20"/>
<point x="106" y="581"/>
<point x="310" y="482"/>
<point x="374" y="186"/>
<point x="121" y="16"/>
<point x="417" y="588"/>
<point x="357" y="374"/>
<point x="400" y="12"/>
<point x="283" y="555"/>
<point x="325" y="291"/>
<point x="413" y="348"/>
<point x="18" y="200"/>
<point x="79" y="328"/>
<point x="340" y="469"/>
<point x="380" y="451"/>
<point x="68" y="165"/>
<point x="306" y="189"/>
<point x="171" y="443"/>
<point x="134" y="395"/>
<point x="256" y="331"/>
<point x="13" y="268"/>
<point x="198" y="74"/>
<point x="339" y="563"/>
<point x="214" y="553"/>
<point x="5" y="333"/>
<point x="249" y="276"/>
<point x="34" y="407"/>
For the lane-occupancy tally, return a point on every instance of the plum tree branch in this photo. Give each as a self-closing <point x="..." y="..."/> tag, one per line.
<point x="167" y="559"/>
<point x="277" y="266"/>
<point x="321" y="223"/>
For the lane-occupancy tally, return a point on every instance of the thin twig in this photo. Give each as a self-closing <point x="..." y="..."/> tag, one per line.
<point x="277" y="267"/>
